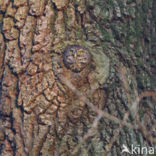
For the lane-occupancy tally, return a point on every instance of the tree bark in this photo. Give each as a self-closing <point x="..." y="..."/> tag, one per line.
<point x="49" y="107"/>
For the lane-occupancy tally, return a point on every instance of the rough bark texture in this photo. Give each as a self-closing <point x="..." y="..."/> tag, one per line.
<point x="39" y="113"/>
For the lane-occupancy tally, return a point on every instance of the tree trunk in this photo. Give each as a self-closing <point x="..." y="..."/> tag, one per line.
<point x="71" y="76"/>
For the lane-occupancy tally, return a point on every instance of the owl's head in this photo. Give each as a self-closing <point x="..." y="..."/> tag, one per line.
<point x="76" y="58"/>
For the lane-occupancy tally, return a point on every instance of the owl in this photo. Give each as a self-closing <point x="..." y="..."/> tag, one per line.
<point x="76" y="58"/>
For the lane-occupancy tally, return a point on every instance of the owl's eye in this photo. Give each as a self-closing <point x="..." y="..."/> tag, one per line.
<point x="70" y="52"/>
<point x="80" y="52"/>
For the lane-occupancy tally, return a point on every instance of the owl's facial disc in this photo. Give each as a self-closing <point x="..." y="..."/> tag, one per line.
<point x="76" y="58"/>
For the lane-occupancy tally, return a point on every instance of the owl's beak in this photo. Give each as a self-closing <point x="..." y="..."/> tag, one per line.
<point x="75" y="55"/>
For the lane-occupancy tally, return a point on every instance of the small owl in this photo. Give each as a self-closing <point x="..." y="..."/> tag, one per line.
<point x="76" y="58"/>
